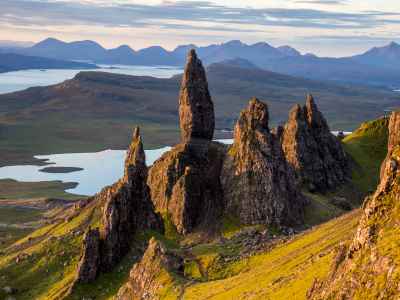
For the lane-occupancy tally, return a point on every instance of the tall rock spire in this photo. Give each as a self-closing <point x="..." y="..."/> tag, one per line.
<point x="196" y="109"/>
<point x="258" y="185"/>
<point x="135" y="157"/>
<point x="311" y="149"/>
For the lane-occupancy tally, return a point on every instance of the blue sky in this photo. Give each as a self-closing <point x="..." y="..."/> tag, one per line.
<point x="324" y="27"/>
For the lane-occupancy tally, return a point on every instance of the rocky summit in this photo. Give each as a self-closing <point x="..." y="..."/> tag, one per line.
<point x="259" y="186"/>
<point x="315" y="154"/>
<point x="368" y="266"/>
<point x="127" y="209"/>
<point x="196" y="109"/>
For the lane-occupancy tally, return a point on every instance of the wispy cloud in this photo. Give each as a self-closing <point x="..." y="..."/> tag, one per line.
<point x="169" y="14"/>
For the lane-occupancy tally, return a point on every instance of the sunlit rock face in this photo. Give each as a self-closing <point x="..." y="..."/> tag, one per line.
<point x="259" y="187"/>
<point x="315" y="154"/>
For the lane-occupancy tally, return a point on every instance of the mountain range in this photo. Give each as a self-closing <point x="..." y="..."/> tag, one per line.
<point x="378" y="66"/>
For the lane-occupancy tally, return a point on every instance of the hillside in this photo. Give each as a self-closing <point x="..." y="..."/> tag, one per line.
<point x="371" y="258"/>
<point x="285" y="268"/>
<point x="95" y="111"/>
<point x="205" y="220"/>
<point x="15" y="62"/>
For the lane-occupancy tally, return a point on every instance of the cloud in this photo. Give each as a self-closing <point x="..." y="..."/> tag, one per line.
<point x="323" y="2"/>
<point x="181" y="15"/>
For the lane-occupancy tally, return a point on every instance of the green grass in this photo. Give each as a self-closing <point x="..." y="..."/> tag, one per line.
<point x="368" y="147"/>
<point x="19" y="215"/>
<point x="286" y="272"/>
<point x="15" y="190"/>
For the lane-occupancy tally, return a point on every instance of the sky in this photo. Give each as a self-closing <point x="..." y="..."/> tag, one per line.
<point x="324" y="27"/>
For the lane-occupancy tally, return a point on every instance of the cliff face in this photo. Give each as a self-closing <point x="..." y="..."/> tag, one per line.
<point x="185" y="184"/>
<point x="148" y="277"/>
<point x="258" y="185"/>
<point x="127" y="209"/>
<point x="315" y="154"/>
<point x="369" y="267"/>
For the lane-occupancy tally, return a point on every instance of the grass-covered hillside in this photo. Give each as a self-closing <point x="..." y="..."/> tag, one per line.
<point x="237" y="263"/>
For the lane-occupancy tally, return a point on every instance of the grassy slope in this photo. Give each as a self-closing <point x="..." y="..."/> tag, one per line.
<point x="14" y="190"/>
<point x="286" y="270"/>
<point x="368" y="147"/>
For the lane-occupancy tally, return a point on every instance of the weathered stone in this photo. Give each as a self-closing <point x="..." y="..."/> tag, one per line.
<point x="316" y="155"/>
<point x="144" y="281"/>
<point x="258" y="185"/>
<point x="185" y="184"/>
<point x="89" y="264"/>
<point x="127" y="207"/>
<point x="196" y="109"/>
<point x="126" y="210"/>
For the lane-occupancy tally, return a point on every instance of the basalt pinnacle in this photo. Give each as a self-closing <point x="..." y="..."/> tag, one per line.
<point x="258" y="185"/>
<point x="126" y="210"/>
<point x="311" y="149"/>
<point x="196" y="109"/>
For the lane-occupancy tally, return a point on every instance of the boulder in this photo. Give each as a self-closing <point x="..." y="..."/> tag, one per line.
<point x="147" y="277"/>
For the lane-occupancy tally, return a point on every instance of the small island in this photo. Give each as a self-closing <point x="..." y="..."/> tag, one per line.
<point x="60" y="169"/>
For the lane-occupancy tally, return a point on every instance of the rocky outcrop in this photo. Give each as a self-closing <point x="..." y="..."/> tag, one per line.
<point x="185" y="185"/>
<point x="127" y="207"/>
<point x="370" y="267"/>
<point x="258" y="185"/>
<point x="126" y="210"/>
<point x="196" y="109"/>
<point x="152" y="274"/>
<point x="184" y="182"/>
<point x="88" y="268"/>
<point x="315" y="154"/>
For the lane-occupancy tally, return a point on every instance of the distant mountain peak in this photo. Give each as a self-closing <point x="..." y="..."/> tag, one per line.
<point x="290" y="51"/>
<point x="234" y="43"/>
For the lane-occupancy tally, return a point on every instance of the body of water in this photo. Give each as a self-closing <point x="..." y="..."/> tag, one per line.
<point x="99" y="169"/>
<point x="20" y="80"/>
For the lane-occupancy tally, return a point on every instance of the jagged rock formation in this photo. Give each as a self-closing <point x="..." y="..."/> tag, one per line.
<point x="312" y="150"/>
<point x="149" y="276"/>
<point x="184" y="182"/>
<point x="258" y="185"/>
<point x="90" y="260"/>
<point x="127" y="206"/>
<point x="369" y="268"/>
<point x="196" y="109"/>
<point x="126" y="210"/>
